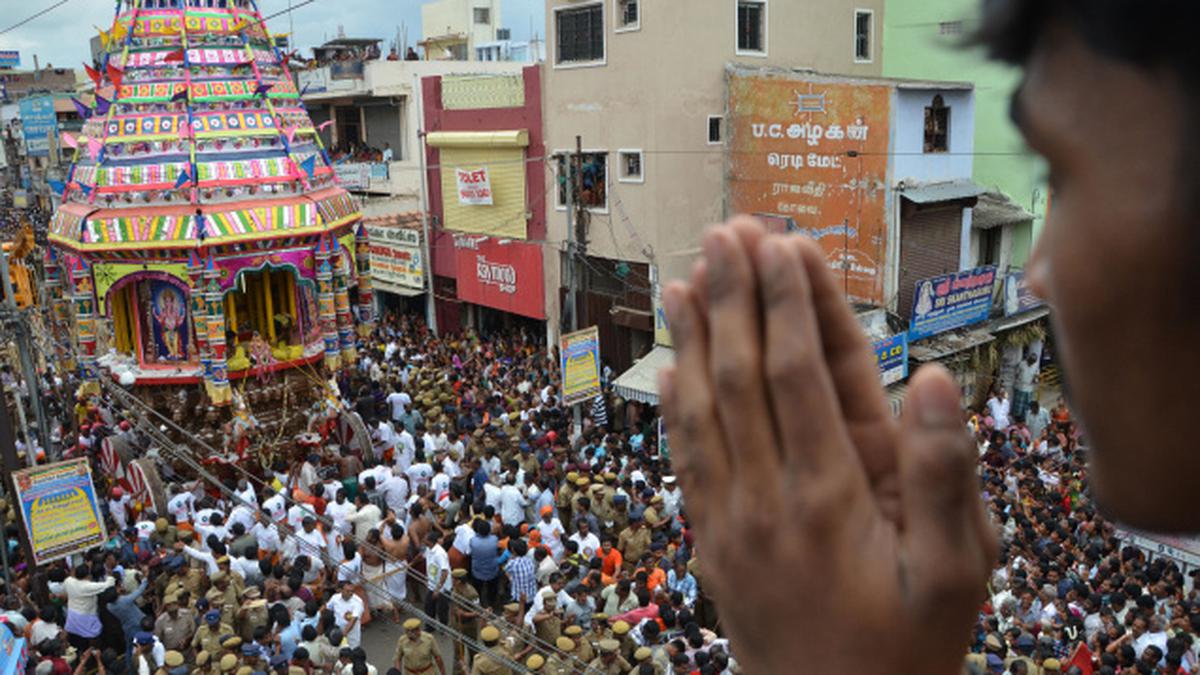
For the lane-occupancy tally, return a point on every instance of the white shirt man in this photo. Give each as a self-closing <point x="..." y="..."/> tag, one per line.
<point x="337" y="511"/>
<point x="399" y="402"/>
<point x="406" y="448"/>
<point x="276" y="507"/>
<point x="512" y="505"/>
<point x="267" y="537"/>
<point x="365" y="519"/>
<point x="182" y="507"/>
<point x="419" y="474"/>
<point x="588" y="544"/>
<point x="437" y="565"/>
<point x="1026" y="374"/>
<point x="395" y="490"/>
<point x="347" y="612"/>
<point x="552" y="534"/>
<point x="998" y="408"/>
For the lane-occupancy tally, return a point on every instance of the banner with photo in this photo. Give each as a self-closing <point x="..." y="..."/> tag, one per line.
<point x="61" y="511"/>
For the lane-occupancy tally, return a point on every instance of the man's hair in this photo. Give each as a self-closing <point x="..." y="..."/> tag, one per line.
<point x="1144" y="33"/>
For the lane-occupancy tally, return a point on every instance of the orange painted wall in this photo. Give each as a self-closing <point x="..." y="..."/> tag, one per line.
<point x="788" y="145"/>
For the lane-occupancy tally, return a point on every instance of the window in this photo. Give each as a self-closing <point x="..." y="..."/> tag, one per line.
<point x="950" y="28"/>
<point x="580" y="34"/>
<point x="483" y="15"/>
<point x="593" y="193"/>
<point x="628" y="16"/>
<point x="937" y="126"/>
<point x="989" y="246"/>
<point x="752" y="26"/>
<point x="630" y="164"/>
<point x="714" y="129"/>
<point x="863" y="20"/>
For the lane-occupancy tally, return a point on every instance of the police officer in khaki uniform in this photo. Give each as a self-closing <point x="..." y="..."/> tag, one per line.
<point x="561" y="664"/>
<point x="566" y="494"/>
<point x="464" y="619"/>
<point x="609" y="662"/>
<point x="583" y="649"/>
<point x="620" y="632"/>
<point x="485" y="663"/>
<point x="417" y="652"/>
<point x="208" y="636"/>
<point x="204" y="665"/>
<point x="222" y="596"/>
<point x="252" y="614"/>
<point x="642" y="655"/>
<point x="634" y="540"/>
<point x="228" y="663"/>
<point x="547" y="623"/>
<point x="536" y="663"/>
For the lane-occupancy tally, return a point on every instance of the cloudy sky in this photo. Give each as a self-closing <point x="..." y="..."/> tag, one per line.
<point x="61" y="36"/>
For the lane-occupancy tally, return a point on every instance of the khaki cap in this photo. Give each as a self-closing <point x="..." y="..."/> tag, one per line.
<point x="245" y="670"/>
<point x="573" y="630"/>
<point x="535" y="662"/>
<point x="565" y="644"/>
<point x="641" y="654"/>
<point x="201" y="658"/>
<point x="620" y="628"/>
<point x="412" y="624"/>
<point x="228" y="663"/>
<point x="609" y="646"/>
<point x="512" y="607"/>
<point x="231" y="642"/>
<point x="572" y="476"/>
<point x="459" y="573"/>
<point x="489" y="634"/>
<point x="173" y="658"/>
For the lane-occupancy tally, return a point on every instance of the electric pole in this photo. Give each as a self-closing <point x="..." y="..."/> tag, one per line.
<point x="12" y="316"/>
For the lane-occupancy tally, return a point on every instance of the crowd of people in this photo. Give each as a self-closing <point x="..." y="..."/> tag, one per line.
<point x="1068" y="596"/>
<point x="530" y="542"/>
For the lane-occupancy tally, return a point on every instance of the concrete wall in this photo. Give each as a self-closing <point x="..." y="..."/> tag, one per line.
<point x="911" y="164"/>
<point x="655" y="91"/>
<point x="447" y="17"/>
<point x="921" y="40"/>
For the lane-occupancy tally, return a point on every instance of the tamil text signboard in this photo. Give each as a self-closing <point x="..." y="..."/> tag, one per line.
<point x="952" y="301"/>
<point x="60" y="508"/>
<point x="397" y="262"/>
<point x="580" y="353"/>
<point x="812" y="152"/>
<point x="38" y="121"/>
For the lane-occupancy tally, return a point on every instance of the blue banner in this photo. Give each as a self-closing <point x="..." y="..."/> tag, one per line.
<point x="1018" y="298"/>
<point x="952" y="301"/>
<point x="37" y="121"/>
<point x="891" y="356"/>
<point x="10" y="58"/>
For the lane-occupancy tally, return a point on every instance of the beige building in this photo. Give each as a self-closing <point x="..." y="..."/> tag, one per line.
<point x="451" y="29"/>
<point x="643" y="84"/>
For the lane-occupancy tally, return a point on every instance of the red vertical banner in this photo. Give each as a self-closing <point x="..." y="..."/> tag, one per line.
<point x="501" y="274"/>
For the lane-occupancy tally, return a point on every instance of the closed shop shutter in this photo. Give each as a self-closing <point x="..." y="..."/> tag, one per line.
<point x="505" y="217"/>
<point x="929" y="246"/>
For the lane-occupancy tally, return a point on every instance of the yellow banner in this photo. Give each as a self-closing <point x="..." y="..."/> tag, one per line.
<point x="581" y="365"/>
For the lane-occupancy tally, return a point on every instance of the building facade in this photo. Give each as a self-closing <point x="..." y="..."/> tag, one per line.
<point x="642" y="85"/>
<point x="485" y="155"/>
<point x="452" y="29"/>
<point x="925" y="39"/>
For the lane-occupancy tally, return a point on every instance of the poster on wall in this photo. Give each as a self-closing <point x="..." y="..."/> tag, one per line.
<point x="168" y="318"/>
<point x="60" y="509"/>
<point x="811" y="153"/>
<point x="1018" y="297"/>
<point x="580" y="354"/>
<point x="952" y="301"/>
<point x="474" y="186"/>
<point x="891" y="356"/>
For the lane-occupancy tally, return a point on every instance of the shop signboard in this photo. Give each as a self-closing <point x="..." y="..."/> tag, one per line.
<point x="60" y="508"/>
<point x="580" y="354"/>
<point x="474" y="186"/>
<point x="1183" y="550"/>
<point x="891" y="356"/>
<point x="38" y="121"/>
<point x="809" y="153"/>
<point x="10" y="58"/>
<point x="500" y="273"/>
<point x="397" y="262"/>
<point x="1018" y="297"/>
<point x="353" y="175"/>
<point x="952" y="301"/>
